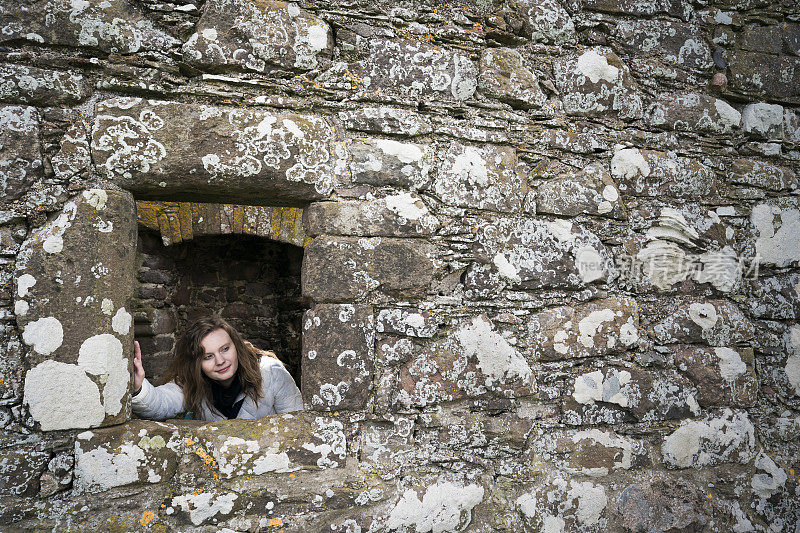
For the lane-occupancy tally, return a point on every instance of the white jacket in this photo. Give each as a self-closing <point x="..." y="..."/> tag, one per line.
<point x="280" y="395"/>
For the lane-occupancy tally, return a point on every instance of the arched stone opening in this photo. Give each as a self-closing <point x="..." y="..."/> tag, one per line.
<point x="195" y="260"/>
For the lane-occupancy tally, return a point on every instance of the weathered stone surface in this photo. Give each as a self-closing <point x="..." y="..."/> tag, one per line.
<point x="136" y="453"/>
<point x="713" y="322"/>
<point x="481" y="178"/>
<point x="347" y="267"/>
<point x="531" y="254"/>
<point x="398" y="215"/>
<point x="763" y="120"/>
<point x="590" y="452"/>
<point x="590" y="191"/>
<point x="594" y="329"/>
<point x="272" y="445"/>
<point x="652" y="173"/>
<point x="791" y="126"/>
<point x="388" y="120"/>
<point x="257" y="36"/>
<point x="116" y="26"/>
<point x="662" y="504"/>
<point x="728" y="437"/>
<point x="774" y="298"/>
<point x="74" y="280"/>
<point x="722" y="375"/>
<point x="746" y="75"/>
<point x="473" y="361"/>
<point x="338" y="355"/>
<point x="417" y="69"/>
<point x="693" y="112"/>
<point x="31" y="85"/>
<point x="20" y="151"/>
<point x="260" y="155"/>
<point x="674" y="43"/>
<point x="21" y="468"/>
<point x="765" y="39"/>
<point x="636" y="8"/>
<point x="775" y="226"/>
<point x="613" y="395"/>
<point x="11" y="366"/>
<point x="408" y="322"/>
<point x="562" y="504"/>
<point x="763" y="175"/>
<point x="503" y="75"/>
<point x="597" y="83"/>
<point x="74" y="155"/>
<point x="386" y="162"/>
<point x="545" y="21"/>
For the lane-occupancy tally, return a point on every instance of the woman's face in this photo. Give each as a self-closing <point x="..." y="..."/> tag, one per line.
<point x="219" y="360"/>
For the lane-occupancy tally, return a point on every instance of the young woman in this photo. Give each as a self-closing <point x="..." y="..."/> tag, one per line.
<point x="216" y="375"/>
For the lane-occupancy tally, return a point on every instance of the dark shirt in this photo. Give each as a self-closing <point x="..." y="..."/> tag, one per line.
<point x="225" y="399"/>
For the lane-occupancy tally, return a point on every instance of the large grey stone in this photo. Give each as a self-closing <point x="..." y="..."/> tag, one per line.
<point x="747" y="75"/>
<point x="396" y="215"/>
<point x="388" y="120"/>
<point x="483" y="177"/>
<point x="597" y="83"/>
<point x="762" y="175"/>
<point x="545" y="21"/>
<point x="673" y="43"/>
<point x="590" y="191"/>
<point x="259" y="36"/>
<point x="115" y="26"/>
<point x="504" y="76"/>
<point x="693" y="112"/>
<point x="532" y="254"/>
<point x="713" y="322"/>
<point x="338" y="356"/>
<point x="20" y="151"/>
<point x="343" y="268"/>
<point x="74" y="281"/>
<point x="388" y="162"/>
<point x="662" y="504"/>
<point x="722" y="375"/>
<point x="31" y="85"/>
<point x="417" y="69"/>
<point x="203" y="152"/>
<point x="660" y="174"/>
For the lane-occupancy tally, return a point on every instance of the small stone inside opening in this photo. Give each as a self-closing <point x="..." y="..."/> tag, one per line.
<point x="252" y="282"/>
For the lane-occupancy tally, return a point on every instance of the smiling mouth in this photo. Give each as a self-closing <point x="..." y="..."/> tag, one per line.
<point x="223" y="370"/>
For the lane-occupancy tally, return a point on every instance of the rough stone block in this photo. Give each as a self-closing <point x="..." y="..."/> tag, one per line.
<point x="21" y="469"/>
<point x="763" y="120"/>
<point x="257" y="35"/>
<point x="545" y="21"/>
<point x="597" y="83"/>
<point x="503" y="76"/>
<point x="20" y="150"/>
<point x="74" y="279"/>
<point x="473" y="361"/>
<point x="386" y="162"/>
<point x="614" y="395"/>
<point x="31" y="85"/>
<point x="481" y="177"/>
<point x="338" y="356"/>
<point x="762" y="175"/>
<point x="590" y="452"/>
<point x="532" y="254"/>
<point x="712" y="322"/>
<point x="348" y="267"/>
<point x="693" y="112"/>
<point x="387" y="120"/>
<point x="594" y="329"/>
<point x="135" y="453"/>
<point x="659" y="174"/>
<point x="662" y="504"/>
<point x="279" y="444"/>
<point x="727" y="437"/>
<point x="671" y="42"/>
<point x="73" y="157"/>
<point x="397" y="215"/>
<point x="562" y="504"/>
<point x="765" y="39"/>
<point x="417" y="69"/>
<point x="791" y="126"/>
<point x="747" y="75"/>
<point x="409" y="322"/>
<point x="775" y="226"/>
<point x="113" y="26"/>
<point x="636" y="8"/>
<point x="589" y="192"/>
<point x="196" y="151"/>
<point x="775" y="297"/>
<point x="722" y="375"/>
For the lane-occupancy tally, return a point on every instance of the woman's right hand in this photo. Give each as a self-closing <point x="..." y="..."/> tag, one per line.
<point x="138" y="369"/>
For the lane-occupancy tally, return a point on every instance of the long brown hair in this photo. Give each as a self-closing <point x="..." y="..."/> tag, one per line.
<point x="186" y="371"/>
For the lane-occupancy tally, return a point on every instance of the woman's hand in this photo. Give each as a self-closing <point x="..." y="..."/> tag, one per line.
<point x="138" y="369"/>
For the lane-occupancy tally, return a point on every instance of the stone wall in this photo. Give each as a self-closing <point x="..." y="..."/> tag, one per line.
<point x="550" y="258"/>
